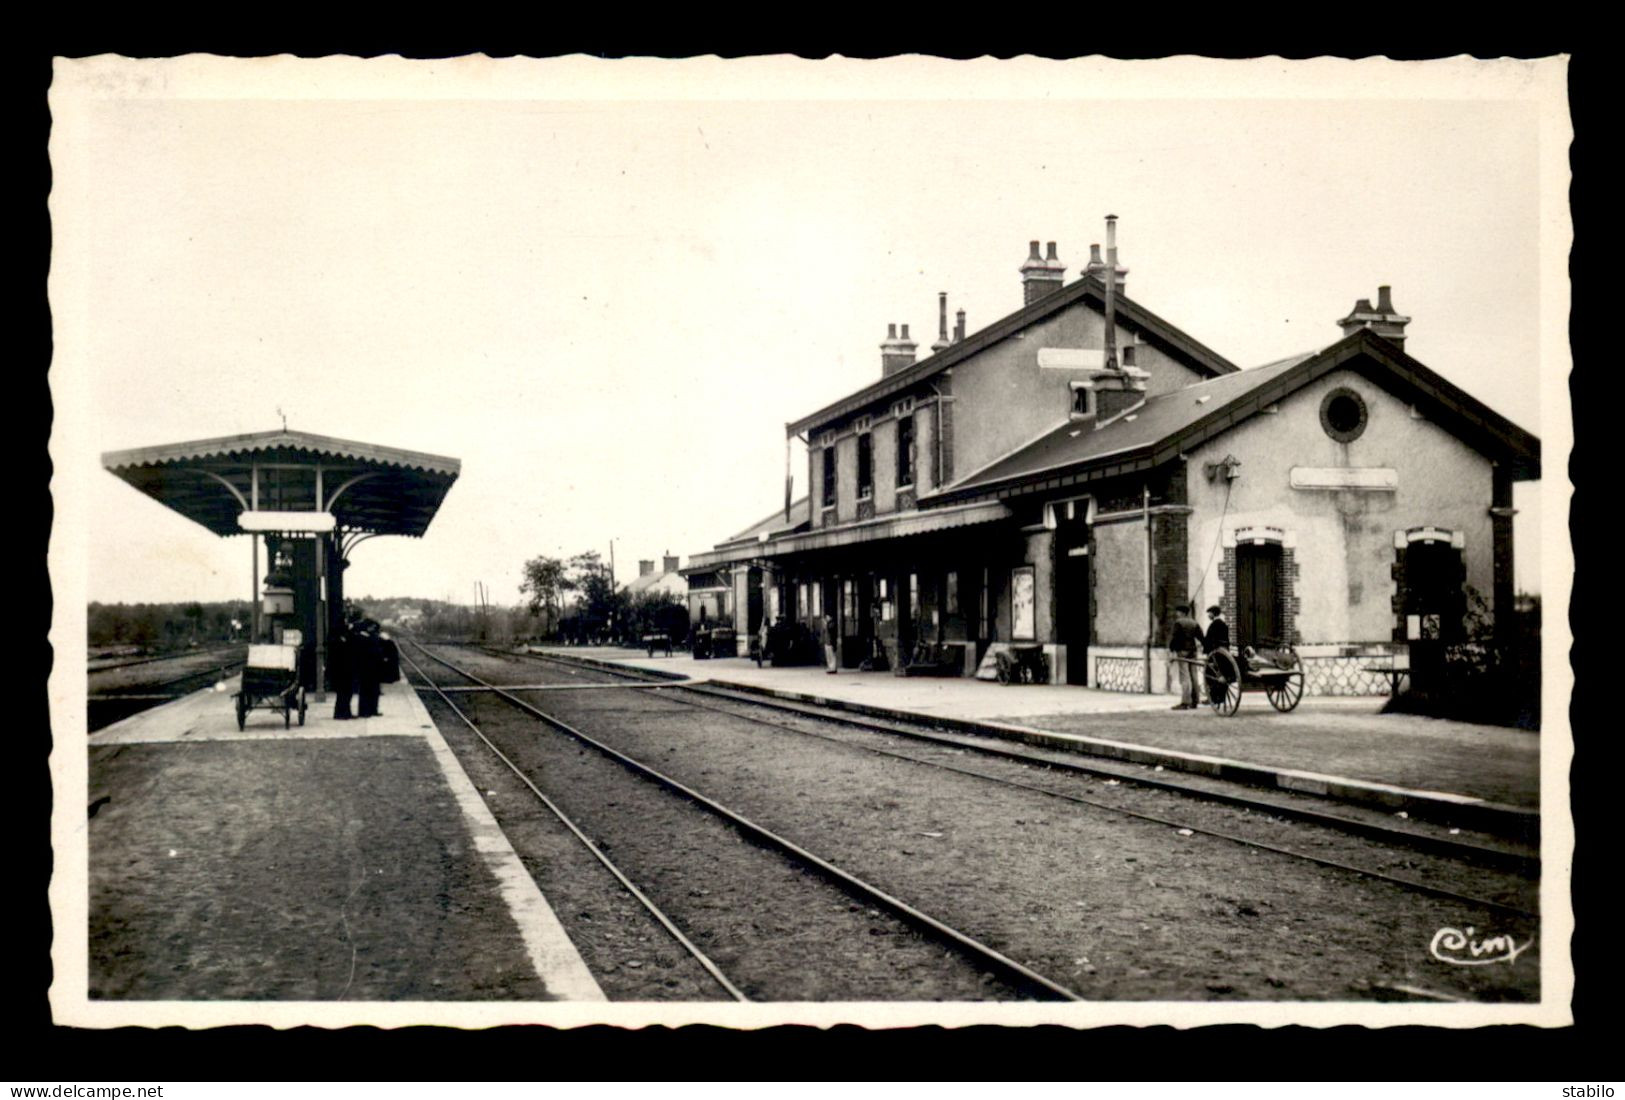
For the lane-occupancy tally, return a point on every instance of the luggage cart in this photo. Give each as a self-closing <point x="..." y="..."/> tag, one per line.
<point x="271" y="682"/>
<point x="1274" y="670"/>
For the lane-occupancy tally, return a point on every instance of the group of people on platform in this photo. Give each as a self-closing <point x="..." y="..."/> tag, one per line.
<point x="360" y="660"/>
<point x="1185" y="640"/>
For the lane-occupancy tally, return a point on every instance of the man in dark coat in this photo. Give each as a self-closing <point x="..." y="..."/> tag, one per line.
<point x="1184" y="641"/>
<point x="341" y="670"/>
<point x="1218" y="631"/>
<point x="369" y="669"/>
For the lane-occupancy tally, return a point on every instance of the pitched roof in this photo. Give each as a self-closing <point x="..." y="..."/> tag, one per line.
<point x="671" y="581"/>
<point x="775" y="524"/>
<point x="1170" y="423"/>
<point x="1153" y="329"/>
<point x="283" y="439"/>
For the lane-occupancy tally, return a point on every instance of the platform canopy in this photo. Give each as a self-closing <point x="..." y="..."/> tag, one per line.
<point x="364" y="487"/>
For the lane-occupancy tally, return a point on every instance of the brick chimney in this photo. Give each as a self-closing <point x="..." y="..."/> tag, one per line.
<point x="1118" y="392"/>
<point x="672" y="563"/>
<point x="645" y="568"/>
<point x="959" y="327"/>
<point x="897" y="353"/>
<point x="1383" y="320"/>
<point x="1040" y="275"/>
<point x="942" y="322"/>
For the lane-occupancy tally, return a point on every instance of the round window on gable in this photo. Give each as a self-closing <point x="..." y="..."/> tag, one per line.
<point x="1343" y="414"/>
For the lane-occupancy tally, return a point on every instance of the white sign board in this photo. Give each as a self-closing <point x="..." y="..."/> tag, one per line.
<point x="1377" y="478"/>
<point x="314" y="522"/>
<point x="1072" y="358"/>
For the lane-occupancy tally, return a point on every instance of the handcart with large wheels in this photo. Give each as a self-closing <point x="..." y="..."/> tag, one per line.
<point x="271" y="682"/>
<point x="1022" y="664"/>
<point x="1274" y="670"/>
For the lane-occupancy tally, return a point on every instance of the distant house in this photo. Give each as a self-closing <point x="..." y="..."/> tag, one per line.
<point x="668" y="580"/>
<point x="1066" y="476"/>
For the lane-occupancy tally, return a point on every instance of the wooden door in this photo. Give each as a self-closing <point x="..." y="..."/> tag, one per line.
<point x="1258" y="595"/>
<point x="1072" y="597"/>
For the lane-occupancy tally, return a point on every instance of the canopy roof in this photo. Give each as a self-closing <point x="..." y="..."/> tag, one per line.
<point x="381" y="490"/>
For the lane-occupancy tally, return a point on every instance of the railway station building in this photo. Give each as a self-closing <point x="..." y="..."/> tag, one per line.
<point x="307" y="501"/>
<point x="1068" y="475"/>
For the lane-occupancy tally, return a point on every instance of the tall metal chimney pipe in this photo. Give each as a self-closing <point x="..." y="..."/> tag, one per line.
<point x="1111" y="291"/>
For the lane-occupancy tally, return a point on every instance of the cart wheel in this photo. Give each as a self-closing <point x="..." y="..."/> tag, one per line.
<point x="1285" y="694"/>
<point x="287" y="712"/>
<point x="1003" y="664"/>
<point x="242" y="711"/>
<point x="1223" y="679"/>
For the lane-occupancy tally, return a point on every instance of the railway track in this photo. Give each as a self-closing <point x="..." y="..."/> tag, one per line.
<point x="113" y="702"/>
<point x="853" y="732"/>
<point x="177" y="656"/>
<point x="1022" y="981"/>
<point x="1515" y="859"/>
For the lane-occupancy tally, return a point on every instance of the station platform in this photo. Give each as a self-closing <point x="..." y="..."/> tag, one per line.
<point x="1343" y="748"/>
<point x="338" y="861"/>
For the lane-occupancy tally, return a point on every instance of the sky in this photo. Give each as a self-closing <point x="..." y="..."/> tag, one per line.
<point x="605" y="287"/>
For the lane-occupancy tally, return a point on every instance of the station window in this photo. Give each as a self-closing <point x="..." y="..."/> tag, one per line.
<point x="913" y="597"/>
<point x="883" y="593"/>
<point x="817" y="597"/>
<point x="1081" y="402"/>
<point x="1343" y="414"/>
<point x="905" y="451"/>
<point x="866" y="466"/>
<point x="829" y="476"/>
<point x="801" y="601"/>
<point x="951" y="596"/>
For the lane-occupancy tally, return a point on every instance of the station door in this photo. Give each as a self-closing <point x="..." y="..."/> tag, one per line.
<point x="1072" y="599"/>
<point x="1258" y="595"/>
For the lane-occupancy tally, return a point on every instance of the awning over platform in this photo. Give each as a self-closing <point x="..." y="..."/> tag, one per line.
<point x="366" y="487"/>
<point x="848" y="534"/>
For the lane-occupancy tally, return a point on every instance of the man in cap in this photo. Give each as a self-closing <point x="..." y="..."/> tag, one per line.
<point x="1184" y="642"/>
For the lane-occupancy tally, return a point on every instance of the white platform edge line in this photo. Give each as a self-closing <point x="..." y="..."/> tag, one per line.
<point x="554" y="956"/>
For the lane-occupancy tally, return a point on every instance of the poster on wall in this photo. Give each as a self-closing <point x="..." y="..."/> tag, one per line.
<point x="1022" y="627"/>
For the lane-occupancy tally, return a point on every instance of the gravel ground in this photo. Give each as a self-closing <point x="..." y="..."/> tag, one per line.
<point x="1117" y="908"/>
<point x="301" y="892"/>
<point x="776" y="930"/>
<point x="1497" y="763"/>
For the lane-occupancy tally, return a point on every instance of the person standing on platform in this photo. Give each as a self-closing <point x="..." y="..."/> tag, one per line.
<point x="832" y="639"/>
<point x="369" y="669"/>
<point x="1218" y="631"/>
<point x="341" y="670"/>
<point x="1184" y="642"/>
